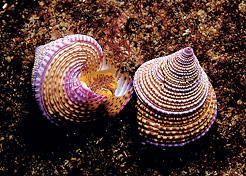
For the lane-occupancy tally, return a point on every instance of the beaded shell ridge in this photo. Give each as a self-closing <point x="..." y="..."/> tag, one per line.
<point x="72" y="81"/>
<point x="176" y="103"/>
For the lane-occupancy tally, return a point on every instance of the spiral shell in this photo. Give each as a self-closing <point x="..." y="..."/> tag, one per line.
<point x="73" y="82"/>
<point x="176" y="102"/>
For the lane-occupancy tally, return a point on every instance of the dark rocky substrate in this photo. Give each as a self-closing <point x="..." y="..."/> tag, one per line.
<point x="130" y="32"/>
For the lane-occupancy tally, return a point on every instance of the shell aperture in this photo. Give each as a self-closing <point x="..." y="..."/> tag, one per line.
<point x="73" y="82"/>
<point x="176" y="103"/>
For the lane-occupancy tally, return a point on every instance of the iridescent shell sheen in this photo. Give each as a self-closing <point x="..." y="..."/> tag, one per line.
<point x="176" y="103"/>
<point x="72" y="81"/>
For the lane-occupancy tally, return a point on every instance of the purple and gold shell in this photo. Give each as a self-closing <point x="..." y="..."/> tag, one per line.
<point x="72" y="81"/>
<point x="176" y="102"/>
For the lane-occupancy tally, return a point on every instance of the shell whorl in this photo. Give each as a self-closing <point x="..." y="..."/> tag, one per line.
<point x="59" y="90"/>
<point x="176" y="102"/>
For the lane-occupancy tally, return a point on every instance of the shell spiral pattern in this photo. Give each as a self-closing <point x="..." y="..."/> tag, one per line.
<point x="176" y="102"/>
<point x="73" y="82"/>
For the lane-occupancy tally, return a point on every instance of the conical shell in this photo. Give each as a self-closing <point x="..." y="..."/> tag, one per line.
<point x="176" y="102"/>
<point x="73" y="82"/>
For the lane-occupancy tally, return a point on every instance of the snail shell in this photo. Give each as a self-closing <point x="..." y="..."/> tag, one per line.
<point x="73" y="82"/>
<point x="176" y="102"/>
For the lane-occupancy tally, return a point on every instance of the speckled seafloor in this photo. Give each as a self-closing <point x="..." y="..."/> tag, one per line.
<point x="130" y="33"/>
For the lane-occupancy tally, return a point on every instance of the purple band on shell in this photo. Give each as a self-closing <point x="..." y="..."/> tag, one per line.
<point x="187" y="142"/>
<point x="47" y="57"/>
<point x="174" y="98"/>
<point x="60" y="93"/>
<point x="76" y="92"/>
<point x="187" y="52"/>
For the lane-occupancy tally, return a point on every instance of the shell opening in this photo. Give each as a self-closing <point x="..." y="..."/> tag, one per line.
<point x="101" y="82"/>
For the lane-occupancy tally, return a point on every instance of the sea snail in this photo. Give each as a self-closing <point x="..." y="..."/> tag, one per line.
<point x="73" y="82"/>
<point x="176" y="103"/>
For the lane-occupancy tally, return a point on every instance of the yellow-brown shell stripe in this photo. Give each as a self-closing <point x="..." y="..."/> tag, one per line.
<point x="122" y="95"/>
<point x="116" y="103"/>
<point x="165" y="93"/>
<point x="161" y="93"/>
<point x="163" y="133"/>
<point x="177" y="81"/>
<point x="168" y="120"/>
<point x="56" y="102"/>
<point x="154" y="91"/>
<point x="172" y="120"/>
<point x="180" y="123"/>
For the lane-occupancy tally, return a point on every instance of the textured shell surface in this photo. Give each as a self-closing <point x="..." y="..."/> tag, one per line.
<point x="73" y="82"/>
<point x="176" y="103"/>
